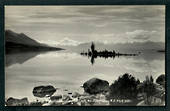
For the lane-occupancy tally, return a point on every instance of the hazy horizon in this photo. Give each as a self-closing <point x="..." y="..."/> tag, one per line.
<point x="79" y="24"/>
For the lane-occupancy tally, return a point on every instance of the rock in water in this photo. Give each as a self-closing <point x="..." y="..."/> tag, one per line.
<point x="95" y="85"/>
<point x="17" y="102"/>
<point x="42" y="91"/>
<point x="54" y="98"/>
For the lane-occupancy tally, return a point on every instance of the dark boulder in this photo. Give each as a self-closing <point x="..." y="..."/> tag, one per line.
<point x="42" y="91"/>
<point x="161" y="80"/>
<point x="95" y="86"/>
<point x="17" y="102"/>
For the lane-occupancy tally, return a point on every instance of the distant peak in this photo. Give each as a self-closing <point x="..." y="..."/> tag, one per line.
<point x="9" y="31"/>
<point x="22" y="34"/>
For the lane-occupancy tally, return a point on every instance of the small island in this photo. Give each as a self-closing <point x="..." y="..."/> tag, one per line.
<point x="93" y="53"/>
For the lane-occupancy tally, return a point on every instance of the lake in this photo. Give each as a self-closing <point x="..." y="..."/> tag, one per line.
<point x="69" y="70"/>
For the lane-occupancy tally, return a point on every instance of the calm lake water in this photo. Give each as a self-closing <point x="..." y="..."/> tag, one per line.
<point x="68" y="70"/>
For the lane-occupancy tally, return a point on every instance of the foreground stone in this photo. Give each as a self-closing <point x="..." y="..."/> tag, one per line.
<point x="42" y="91"/>
<point x="95" y="86"/>
<point x="37" y="103"/>
<point x="75" y="95"/>
<point x="55" y="98"/>
<point x="161" y="80"/>
<point x="17" y="102"/>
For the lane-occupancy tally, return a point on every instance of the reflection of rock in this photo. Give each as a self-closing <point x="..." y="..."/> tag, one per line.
<point x="95" y="85"/>
<point x="42" y="91"/>
<point x="17" y="102"/>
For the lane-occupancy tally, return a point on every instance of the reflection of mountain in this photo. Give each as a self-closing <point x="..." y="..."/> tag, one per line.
<point x="20" y="48"/>
<point x="19" y="58"/>
<point x="22" y="42"/>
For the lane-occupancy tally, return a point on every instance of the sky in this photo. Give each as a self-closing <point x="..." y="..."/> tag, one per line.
<point x="72" y="25"/>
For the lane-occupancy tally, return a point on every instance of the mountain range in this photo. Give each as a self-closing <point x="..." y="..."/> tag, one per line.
<point x="148" y="46"/>
<point x="21" y="42"/>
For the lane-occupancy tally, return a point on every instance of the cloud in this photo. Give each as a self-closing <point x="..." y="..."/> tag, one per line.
<point x="64" y="42"/>
<point x="90" y="13"/>
<point x="142" y="35"/>
<point x="130" y="37"/>
<point x="85" y="23"/>
<point x="67" y="41"/>
<point x="106" y="38"/>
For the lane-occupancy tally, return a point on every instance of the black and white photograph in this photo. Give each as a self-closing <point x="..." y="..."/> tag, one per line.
<point x="85" y="55"/>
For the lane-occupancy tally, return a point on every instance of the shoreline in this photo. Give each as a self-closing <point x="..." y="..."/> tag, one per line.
<point x="98" y="92"/>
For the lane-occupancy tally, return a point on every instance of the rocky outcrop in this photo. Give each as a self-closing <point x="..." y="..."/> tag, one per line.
<point x="95" y="86"/>
<point x="17" y="102"/>
<point x="42" y="91"/>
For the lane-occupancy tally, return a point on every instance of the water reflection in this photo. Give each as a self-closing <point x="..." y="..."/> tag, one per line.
<point x="93" y="53"/>
<point x="19" y="57"/>
<point x="66" y="71"/>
